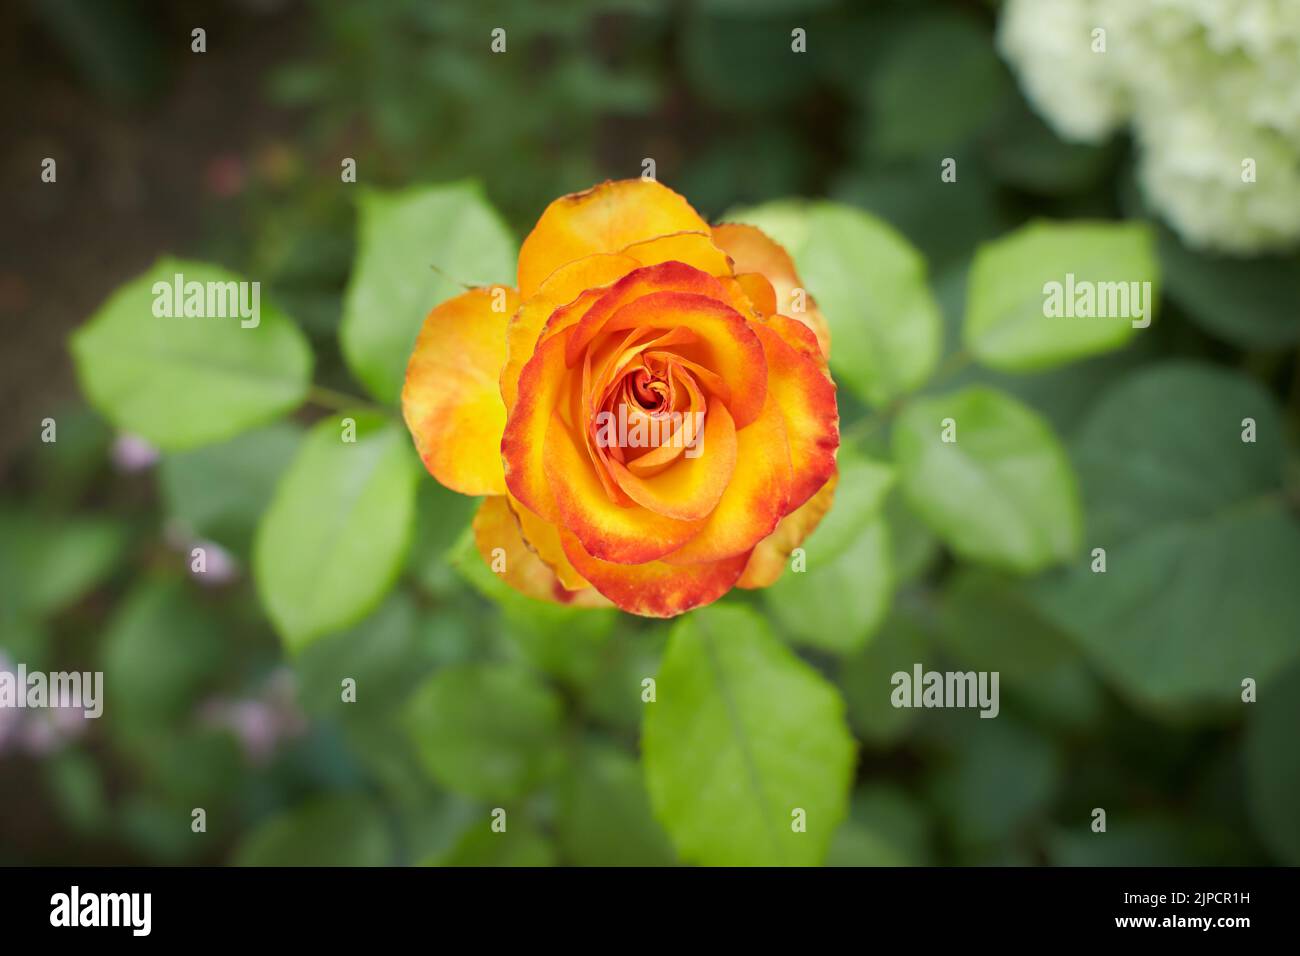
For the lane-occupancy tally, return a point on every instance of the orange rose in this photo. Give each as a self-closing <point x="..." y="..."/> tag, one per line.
<point x="651" y="420"/>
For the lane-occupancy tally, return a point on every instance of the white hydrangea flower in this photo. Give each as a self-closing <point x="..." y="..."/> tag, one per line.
<point x="1206" y="85"/>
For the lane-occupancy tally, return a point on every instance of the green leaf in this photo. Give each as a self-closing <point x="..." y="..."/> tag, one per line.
<point x="328" y="831"/>
<point x="1002" y="775"/>
<point x="160" y="649"/>
<point x="47" y="563"/>
<point x="490" y="731"/>
<point x="220" y="491"/>
<point x="442" y="517"/>
<point x="1164" y="446"/>
<point x="870" y="283"/>
<point x="837" y="604"/>
<point x="743" y="734"/>
<point x="989" y="623"/>
<point x="944" y="224"/>
<point x="604" y="814"/>
<point x="1248" y="302"/>
<point x="1273" y="765"/>
<point x="1006" y="325"/>
<point x="66" y="470"/>
<point x="720" y="42"/>
<point x="184" y="382"/>
<point x="1022" y="150"/>
<point x="913" y="546"/>
<point x="384" y="654"/>
<point x="936" y="86"/>
<point x="522" y="844"/>
<point x="334" y="537"/>
<point x="842" y="596"/>
<point x="857" y="845"/>
<point x="865" y="678"/>
<point x="567" y="642"/>
<point x="886" y="827"/>
<point x="1003" y="493"/>
<point x="630" y="656"/>
<point x="416" y="248"/>
<point x="1200" y="551"/>
<point x="1148" y="840"/>
<point x="74" y="781"/>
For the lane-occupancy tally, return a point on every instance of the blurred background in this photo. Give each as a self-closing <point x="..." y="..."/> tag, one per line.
<point x="232" y="156"/>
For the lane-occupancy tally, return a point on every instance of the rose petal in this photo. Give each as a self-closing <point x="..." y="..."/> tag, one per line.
<point x="768" y="560"/>
<point x="812" y="422"/>
<point x="561" y="288"/>
<point x="753" y="251"/>
<point x="664" y="277"/>
<point x="726" y="344"/>
<point x="625" y="535"/>
<point x="495" y="527"/>
<point x="756" y="499"/>
<point x="799" y="337"/>
<point x="693" y="248"/>
<point x="541" y="384"/>
<point x="451" y="401"/>
<point x="544" y="538"/>
<point x="690" y="487"/>
<point x="605" y="218"/>
<point x="759" y="291"/>
<point x="655" y="589"/>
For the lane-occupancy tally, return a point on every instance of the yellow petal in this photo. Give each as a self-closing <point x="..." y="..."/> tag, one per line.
<point x="768" y="559"/>
<point x="693" y="248"/>
<point x="497" y="536"/>
<point x="451" y="400"/>
<point x="753" y="251"/>
<point x="605" y="218"/>
<point x="562" y="287"/>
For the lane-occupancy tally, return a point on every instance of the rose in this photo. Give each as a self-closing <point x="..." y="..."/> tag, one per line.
<point x="629" y="304"/>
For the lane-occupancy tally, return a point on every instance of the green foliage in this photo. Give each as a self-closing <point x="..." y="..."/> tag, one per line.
<point x="46" y="565"/>
<point x="521" y="844"/>
<point x="1248" y="302"/>
<point x="415" y="248"/>
<point x="1197" y="542"/>
<point x="767" y="739"/>
<point x="158" y="652"/>
<point x="387" y="655"/>
<point x="1006" y="327"/>
<point x="333" y="831"/>
<point x="181" y="382"/>
<point x="220" y="491"/>
<point x="864" y="677"/>
<point x="1273" y="762"/>
<point x="1002" y="492"/>
<point x="993" y="786"/>
<point x="1119" y="689"/>
<point x="490" y="731"/>
<point x="604" y="816"/>
<point x="885" y="828"/>
<point x="884" y="344"/>
<point x="841" y="598"/>
<point x="913" y="108"/>
<point x="334" y="537"/>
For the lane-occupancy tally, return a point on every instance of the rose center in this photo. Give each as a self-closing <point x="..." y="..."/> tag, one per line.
<point x="649" y="391"/>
